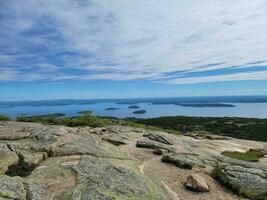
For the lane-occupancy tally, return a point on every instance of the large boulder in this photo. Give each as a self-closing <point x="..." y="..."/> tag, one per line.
<point x="247" y="179"/>
<point x="81" y="144"/>
<point x="197" y="182"/>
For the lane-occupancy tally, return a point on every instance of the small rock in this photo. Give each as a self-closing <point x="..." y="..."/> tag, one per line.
<point x="196" y="182"/>
<point x="159" y="151"/>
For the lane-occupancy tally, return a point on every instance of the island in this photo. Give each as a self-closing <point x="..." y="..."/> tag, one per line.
<point x="203" y="105"/>
<point x="112" y="109"/>
<point x="139" y="112"/>
<point x="85" y="112"/>
<point x="133" y="107"/>
<point x="48" y="115"/>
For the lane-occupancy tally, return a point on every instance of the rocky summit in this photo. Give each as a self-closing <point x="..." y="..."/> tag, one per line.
<point x="43" y="162"/>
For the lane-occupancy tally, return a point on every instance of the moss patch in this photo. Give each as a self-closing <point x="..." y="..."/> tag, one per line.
<point x="251" y="155"/>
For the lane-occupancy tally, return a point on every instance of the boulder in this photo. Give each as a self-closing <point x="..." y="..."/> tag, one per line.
<point x="246" y="179"/>
<point x="114" y="139"/>
<point x="185" y="161"/>
<point x="159" y="138"/>
<point x="197" y="182"/>
<point x="78" y="145"/>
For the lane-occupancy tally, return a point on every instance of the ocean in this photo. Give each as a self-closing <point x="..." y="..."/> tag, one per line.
<point x="244" y="106"/>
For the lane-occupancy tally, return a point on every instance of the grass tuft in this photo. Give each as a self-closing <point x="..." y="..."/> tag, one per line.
<point x="251" y="155"/>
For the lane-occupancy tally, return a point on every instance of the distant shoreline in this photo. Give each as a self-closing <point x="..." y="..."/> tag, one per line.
<point x="204" y="105"/>
<point x="156" y="101"/>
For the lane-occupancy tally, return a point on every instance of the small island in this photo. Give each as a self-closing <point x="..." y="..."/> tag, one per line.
<point x="133" y="107"/>
<point x="139" y="112"/>
<point x="85" y="112"/>
<point x="112" y="109"/>
<point x="208" y="105"/>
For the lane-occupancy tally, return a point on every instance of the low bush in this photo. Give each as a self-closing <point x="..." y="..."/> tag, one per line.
<point x="4" y="118"/>
<point x="251" y="155"/>
<point x="85" y="120"/>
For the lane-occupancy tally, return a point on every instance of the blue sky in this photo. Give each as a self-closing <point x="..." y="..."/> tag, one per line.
<point x="105" y="49"/>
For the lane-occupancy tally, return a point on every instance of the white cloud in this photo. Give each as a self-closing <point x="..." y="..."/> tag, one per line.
<point x="128" y="40"/>
<point x="251" y="76"/>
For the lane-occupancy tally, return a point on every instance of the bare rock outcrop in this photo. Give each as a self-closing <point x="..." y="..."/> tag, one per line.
<point x="152" y="145"/>
<point x="183" y="160"/>
<point x="159" y="138"/>
<point x="42" y="162"/>
<point x="247" y="179"/>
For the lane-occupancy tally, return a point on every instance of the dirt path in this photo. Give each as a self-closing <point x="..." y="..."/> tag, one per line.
<point x="173" y="194"/>
<point x="171" y="177"/>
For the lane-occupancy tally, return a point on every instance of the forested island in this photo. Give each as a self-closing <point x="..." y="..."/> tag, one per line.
<point x="112" y="108"/>
<point x="203" y="105"/>
<point x="139" y="112"/>
<point x="133" y="107"/>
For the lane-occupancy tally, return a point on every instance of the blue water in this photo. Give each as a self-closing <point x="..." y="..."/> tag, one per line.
<point x="257" y="110"/>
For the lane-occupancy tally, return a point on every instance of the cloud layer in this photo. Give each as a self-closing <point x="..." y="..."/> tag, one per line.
<point x="175" y="42"/>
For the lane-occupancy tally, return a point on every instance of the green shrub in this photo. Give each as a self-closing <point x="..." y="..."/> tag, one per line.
<point x="251" y="155"/>
<point x="243" y="128"/>
<point x="4" y="118"/>
<point x="85" y="120"/>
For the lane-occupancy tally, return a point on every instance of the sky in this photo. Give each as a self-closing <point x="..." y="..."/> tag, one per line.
<point x="124" y="48"/>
